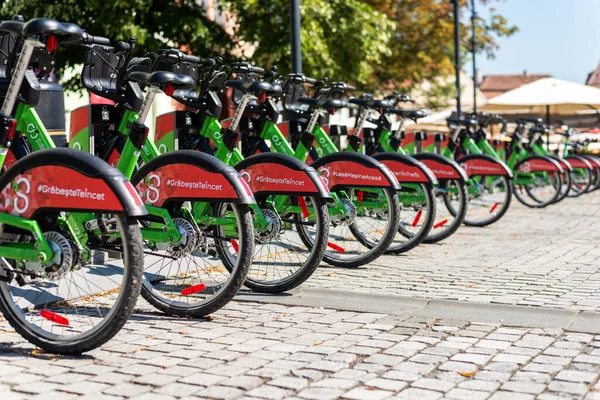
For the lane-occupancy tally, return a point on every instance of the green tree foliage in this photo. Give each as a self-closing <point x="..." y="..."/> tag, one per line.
<point x="373" y="43"/>
<point x="342" y="39"/>
<point x="423" y="43"/>
<point x="155" y="24"/>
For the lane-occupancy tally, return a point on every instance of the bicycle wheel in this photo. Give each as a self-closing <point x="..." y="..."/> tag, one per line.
<point x="595" y="180"/>
<point x="451" y="208"/>
<point x="74" y="300"/>
<point x="489" y="198"/>
<point x="581" y="181"/>
<point x="565" y="186"/>
<point x="68" y="306"/>
<point x="366" y="229"/>
<point x="542" y="191"/>
<point x="203" y="271"/>
<point x="417" y="215"/>
<point x="291" y="246"/>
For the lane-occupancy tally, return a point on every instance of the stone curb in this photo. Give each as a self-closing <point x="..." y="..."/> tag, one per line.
<point x="401" y="307"/>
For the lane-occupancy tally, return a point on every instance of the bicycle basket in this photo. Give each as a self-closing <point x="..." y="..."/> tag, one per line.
<point x="7" y="44"/>
<point x="292" y="91"/>
<point x="101" y="70"/>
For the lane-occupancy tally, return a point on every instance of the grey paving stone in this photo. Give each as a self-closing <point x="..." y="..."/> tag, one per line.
<point x="362" y="393"/>
<point x="384" y="359"/>
<point x="222" y="392"/>
<point x="421" y="394"/>
<point x="527" y="376"/>
<point x="202" y="379"/>
<point x="479" y="385"/>
<point x="336" y="383"/>
<point x="127" y="390"/>
<point x="422" y="369"/>
<point x="320" y="393"/>
<point x="501" y="395"/>
<point x="493" y="376"/>
<point x="289" y="382"/>
<point x="576" y="376"/>
<point x="269" y="392"/>
<point x="568" y="387"/>
<point x="84" y="387"/>
<point x="477" y="359"/>
<point x="458" y="367"/>
<point x="524" y="387"/>
<point x="465" y="394"/>
<point x="386" y="384"/>
<point x="178" y="389"/>
<point x="402" y="375"/>
<point x="433" y="384"/>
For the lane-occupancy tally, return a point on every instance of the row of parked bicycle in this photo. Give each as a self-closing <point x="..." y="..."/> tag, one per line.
<point x="210" y="205"/>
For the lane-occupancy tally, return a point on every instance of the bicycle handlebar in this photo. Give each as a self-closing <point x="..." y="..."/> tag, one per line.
<point x="194" y="59"/>
<point x="103" y="41"/>
<point x="89" y="39"/>
<point x="248" y="67"/>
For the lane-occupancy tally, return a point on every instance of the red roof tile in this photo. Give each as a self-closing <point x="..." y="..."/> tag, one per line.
<point x="504" y="83"/>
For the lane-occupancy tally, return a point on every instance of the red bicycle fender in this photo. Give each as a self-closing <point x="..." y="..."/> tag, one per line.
<point x="272" y="178"/>
<point x="61" y="188"/>
<point x="442" y="167"/>
<point x="483" y="165"/>
<point x="577" y="162"/>
<point x="406" y="169"/>
<point x="592" y="160"/>
<point x="537" y="164"/>
<point x="352" y="174"/>
<point x="565" y="164"/>
<point x="190" y="182"/>
<point x="406" y="173"/>
<point x="348" y="169"/>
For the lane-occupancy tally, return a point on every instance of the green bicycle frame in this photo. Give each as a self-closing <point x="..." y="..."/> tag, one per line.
<point x="166" y="231"/>
<point x="211" y="129"/>
<point x="31" y="125"/>
<point x="408" y="198"/>
<point x="483" y="146"/>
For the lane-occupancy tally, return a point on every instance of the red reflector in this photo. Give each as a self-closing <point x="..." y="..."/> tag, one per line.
<point x="323" y="184"/>
<point x="12" y="127"/>
<point x="335" y="247"/>
<point x="246" y="187"/>
<point x="52" y="43"/>
<point x="57" y="319"/>
<point x="494" y="207"/>
<point x="262" y="97"/>
<point x="193" y="289"/>
<point x="169" y="90"/>
<point x="303" y="206"/>
<point x="332" y="111"/>
<point x="235" y="245"/>
<point x="360" y="195"/>
<point x="417" y="218"/>
<point x="134" y="194"/>
<point x="440" y="224"/>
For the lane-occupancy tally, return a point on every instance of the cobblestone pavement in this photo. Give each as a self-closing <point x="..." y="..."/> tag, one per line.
<point x="548" y="257"/>
<point x="268" y="351"/>
<point x="272" y="351"/>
